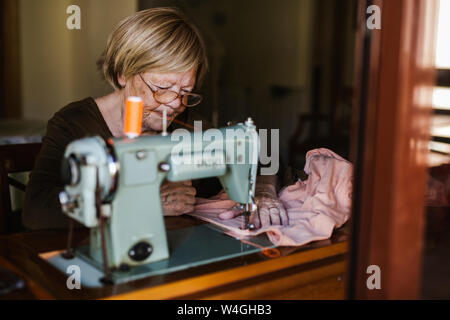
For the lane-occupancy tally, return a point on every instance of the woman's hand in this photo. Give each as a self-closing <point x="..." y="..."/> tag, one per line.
<point x="177" y="197"/>
<point x="270" y="211"/>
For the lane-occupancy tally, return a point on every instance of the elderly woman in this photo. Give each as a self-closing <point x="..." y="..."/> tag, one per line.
<point x="158" y="55"/>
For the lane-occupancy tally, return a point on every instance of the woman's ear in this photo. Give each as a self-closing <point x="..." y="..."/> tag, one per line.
<point x="122" y="80"/>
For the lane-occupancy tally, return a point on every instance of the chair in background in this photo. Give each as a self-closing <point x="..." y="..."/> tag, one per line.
<point x="14" y="158"/>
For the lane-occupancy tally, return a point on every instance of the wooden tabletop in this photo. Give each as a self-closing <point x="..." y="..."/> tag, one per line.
<point x="312" y="271"/>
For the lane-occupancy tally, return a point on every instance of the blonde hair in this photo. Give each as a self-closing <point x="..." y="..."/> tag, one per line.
<point x="157" y="39"/>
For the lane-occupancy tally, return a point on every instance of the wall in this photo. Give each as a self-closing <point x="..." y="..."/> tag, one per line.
<point x="260" y="52"/>
<point x="58" y="64"/>
<point x="266" y="41"/>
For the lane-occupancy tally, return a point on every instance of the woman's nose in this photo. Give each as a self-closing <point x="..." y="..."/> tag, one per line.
<point x="175" y="104"/>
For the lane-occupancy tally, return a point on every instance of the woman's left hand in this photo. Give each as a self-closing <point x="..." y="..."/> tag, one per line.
<point x="270" y="211"/>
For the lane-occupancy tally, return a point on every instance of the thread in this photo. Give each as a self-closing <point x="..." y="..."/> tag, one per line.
<point x="132" y="126"/>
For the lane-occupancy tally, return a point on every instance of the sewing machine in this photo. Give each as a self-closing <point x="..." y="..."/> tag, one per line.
<point x="113" y="188"/>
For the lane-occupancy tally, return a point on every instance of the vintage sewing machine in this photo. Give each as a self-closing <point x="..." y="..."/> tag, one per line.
<point x="113" y="188"/>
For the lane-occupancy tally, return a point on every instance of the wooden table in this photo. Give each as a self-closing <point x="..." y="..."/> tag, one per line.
<point x="313" y="271"/>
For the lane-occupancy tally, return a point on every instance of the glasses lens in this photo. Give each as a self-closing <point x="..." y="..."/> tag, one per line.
<point x="165" y="96"/>
<point x="191" y="99"/>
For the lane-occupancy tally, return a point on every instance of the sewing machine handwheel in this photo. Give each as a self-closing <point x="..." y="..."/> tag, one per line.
<point x="70" y="171"/>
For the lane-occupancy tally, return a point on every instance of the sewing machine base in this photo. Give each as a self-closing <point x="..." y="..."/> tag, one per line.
<point x="189" y="247"/>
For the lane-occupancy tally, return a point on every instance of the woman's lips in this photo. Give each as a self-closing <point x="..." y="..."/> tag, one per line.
<point x="160" y="114"/>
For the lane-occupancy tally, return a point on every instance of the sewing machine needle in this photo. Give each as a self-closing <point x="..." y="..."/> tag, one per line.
<point x="247" y="219"/>
<point x="164" y="123"/>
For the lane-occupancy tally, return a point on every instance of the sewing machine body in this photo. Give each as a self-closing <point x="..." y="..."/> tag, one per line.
<point x="127" y="174"/>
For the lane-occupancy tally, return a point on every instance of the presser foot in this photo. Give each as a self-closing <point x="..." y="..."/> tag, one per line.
<point x="247" y="225"/>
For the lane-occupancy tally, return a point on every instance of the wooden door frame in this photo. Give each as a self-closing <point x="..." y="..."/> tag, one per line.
<point x="10" y="77"/>
<point x="395" y="75"/>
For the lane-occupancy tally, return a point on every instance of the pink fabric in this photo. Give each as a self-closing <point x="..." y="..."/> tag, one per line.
<point x="315" y="206"/>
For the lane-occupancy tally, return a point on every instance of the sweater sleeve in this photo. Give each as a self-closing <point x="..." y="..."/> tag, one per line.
<point x="41" y="208"/>
<point x="77" y="120"/>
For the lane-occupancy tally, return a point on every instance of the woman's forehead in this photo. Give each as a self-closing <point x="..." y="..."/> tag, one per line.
<point x="182" y="78"/>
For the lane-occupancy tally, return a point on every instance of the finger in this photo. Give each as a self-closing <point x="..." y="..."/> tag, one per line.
<point x="180" y="198"/>
<point x="262" y="200"/>
<point x="164" y="192"/>
<point x="189" y="190"/>
<point x="171" y="184"/>
<point x="187" y="208"/>
<point x="187" y="199"/>
<point x="254" y="219"/>
<point x="264" y="216"/>
<point x="181" y="208"/>
<point x="275" y="216"/>
<point x="223" y="195"/>
<point x="168" y="185"/>
<point x="169" y="210"/>
<point x="214" y="205"/>
<point x="229" y="214"/>
<point x="283" y="215"/>
<point x="180" y="189"/>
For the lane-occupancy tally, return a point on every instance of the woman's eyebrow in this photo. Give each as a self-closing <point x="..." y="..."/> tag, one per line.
<point x="168" y="83"/>
<point x="162" y="83"/>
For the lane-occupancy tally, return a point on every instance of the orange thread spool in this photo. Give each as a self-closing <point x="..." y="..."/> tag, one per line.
<point x="133" y="117"/>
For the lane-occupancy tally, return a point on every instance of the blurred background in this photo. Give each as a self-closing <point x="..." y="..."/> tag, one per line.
<point x="288" y="64"/>
<point x="436" y="257"/>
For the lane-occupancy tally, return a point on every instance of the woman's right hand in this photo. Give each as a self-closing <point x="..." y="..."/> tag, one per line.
<point x="177" y="197"/>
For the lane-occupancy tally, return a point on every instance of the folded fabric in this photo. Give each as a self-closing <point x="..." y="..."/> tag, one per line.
<point x="315" y="206"/>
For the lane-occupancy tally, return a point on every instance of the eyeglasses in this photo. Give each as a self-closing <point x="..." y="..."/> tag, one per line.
<point x="165" y="96"/>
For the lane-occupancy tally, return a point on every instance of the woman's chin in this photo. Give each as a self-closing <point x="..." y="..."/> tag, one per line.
<point x="155" y="126"/>
<point x="152" y="127"/>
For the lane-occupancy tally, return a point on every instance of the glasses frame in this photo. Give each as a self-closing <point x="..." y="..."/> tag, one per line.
<point x="178" y="95"/>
